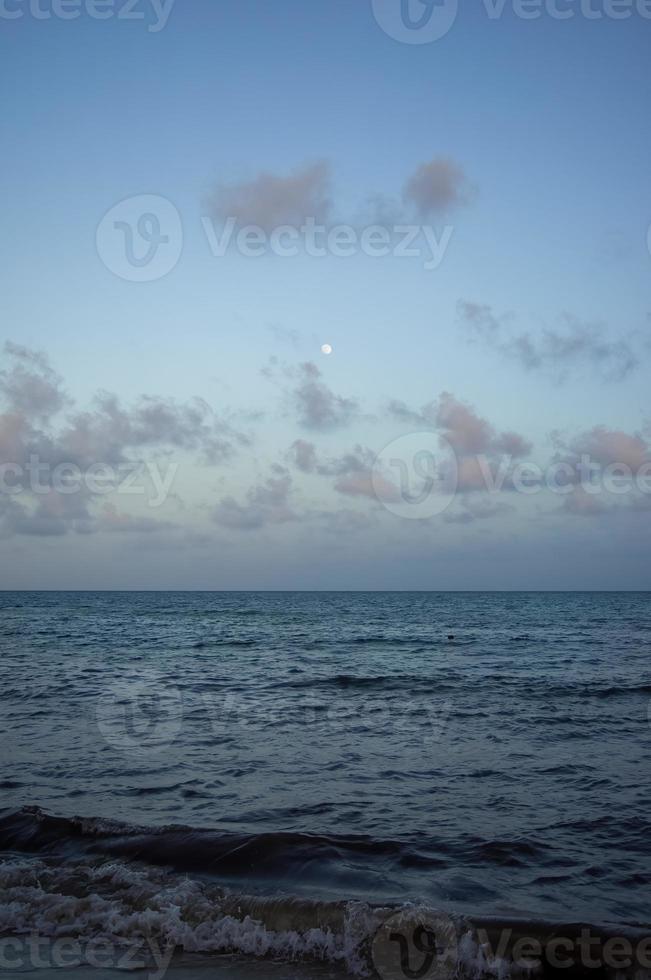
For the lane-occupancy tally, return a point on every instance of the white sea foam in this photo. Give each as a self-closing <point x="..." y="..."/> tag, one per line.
<point x="122" y="904"/>
<point x="137" y="906"/>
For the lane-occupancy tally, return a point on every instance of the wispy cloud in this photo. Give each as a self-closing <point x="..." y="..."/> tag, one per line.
<point x="265" y="503"/>
<point x="352" y="471"/>
<point x="557" y="351"/>
<point x="315" y="405"/>
<point x="29" y="386"/>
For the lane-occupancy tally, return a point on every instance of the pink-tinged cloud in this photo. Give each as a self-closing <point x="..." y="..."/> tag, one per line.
<point x="271" y="200"/>
<point x="365" y="484"/>
<point x="611" y="446"/>
<point x="436" y="187"/>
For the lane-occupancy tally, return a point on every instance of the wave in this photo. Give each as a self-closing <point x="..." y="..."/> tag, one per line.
<point x="266" y="858"/>
<point x="537" y="688"/>
<point x="122" y="904"/>
<point x="89" y="878"/>
<point x="182" y="848"/>
<point x="391" y="682"/>
<point x="125" y="902"/>
<point x="130" y="905"/>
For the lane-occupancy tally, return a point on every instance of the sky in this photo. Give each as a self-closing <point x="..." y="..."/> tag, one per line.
<point x="325" y="295"/>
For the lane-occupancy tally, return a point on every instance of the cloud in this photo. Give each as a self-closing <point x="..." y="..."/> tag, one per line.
<point x="437" y="187"/>
<point x="605" y="447"/>
<point x="30" y="388"/>
<point x="17" y="519"/>
<point x="482" y="454"/>
<point x="353" y="471"/>
<point x="270" y="201"/>
<point x="587" y="458"/>
<point x="462" y="427"/>
<point x="51" y="514"/>
<point x="402" y="413"/>
<point x="583" y="504"/>
<point x="466" y="431"/>
<point x="554" y="351"/>
<point x="39" y="445"/>
<point x="359" y="485"/>
<point x="592" y="461"/>
<point x="109" y="430"/>
<point x="359" y="459"/>
<point x="316" y="406"/>
<point x="303" y="455"/>
<point x="266" y="503"/>
<point x="511" y="444"/>
<point x="285" y="335"/>
<point x="113" y="520"/>
<point x="269" y="502"/>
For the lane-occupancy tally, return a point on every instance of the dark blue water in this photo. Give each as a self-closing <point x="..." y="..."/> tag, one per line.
<point x="340" y="745"/>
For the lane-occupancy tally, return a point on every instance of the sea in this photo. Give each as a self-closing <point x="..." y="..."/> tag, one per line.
<point x="257" y="782"/>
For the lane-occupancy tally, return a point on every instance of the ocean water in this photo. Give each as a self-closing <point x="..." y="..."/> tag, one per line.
<point x="167" y="758"/>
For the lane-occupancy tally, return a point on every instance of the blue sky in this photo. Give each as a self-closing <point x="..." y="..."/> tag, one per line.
<point x="545" y="124"/>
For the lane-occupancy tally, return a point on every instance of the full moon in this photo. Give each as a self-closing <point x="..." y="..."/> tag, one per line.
<point x="326" y="348"/>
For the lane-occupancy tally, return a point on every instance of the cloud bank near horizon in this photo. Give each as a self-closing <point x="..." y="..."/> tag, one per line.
<point x="305" y="484"/>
